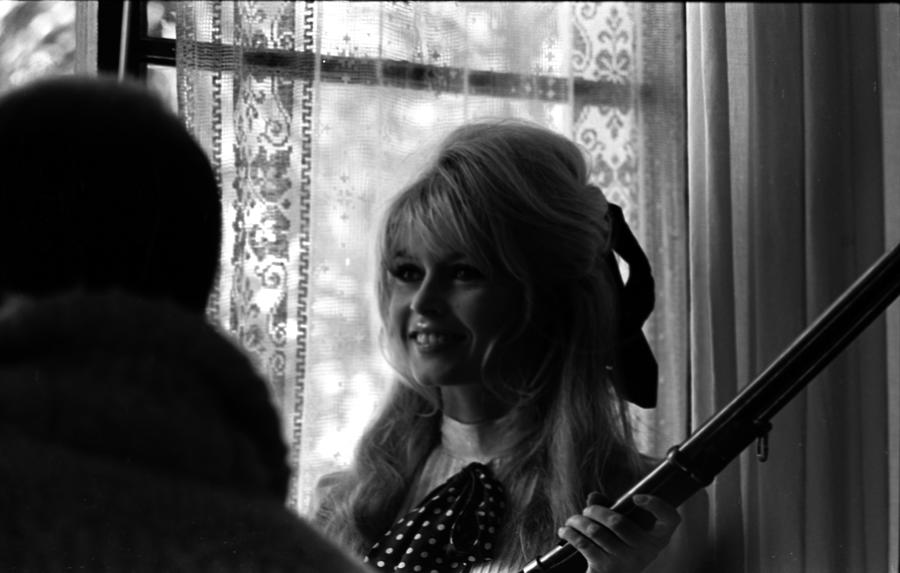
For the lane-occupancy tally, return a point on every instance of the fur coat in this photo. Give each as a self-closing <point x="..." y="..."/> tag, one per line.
<point x="133" y="437"/>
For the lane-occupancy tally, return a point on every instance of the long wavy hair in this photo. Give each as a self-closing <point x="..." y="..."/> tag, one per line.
<point x="515" y="198"/>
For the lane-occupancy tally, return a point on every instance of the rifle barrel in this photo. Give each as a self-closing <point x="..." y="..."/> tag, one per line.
<point x="694" y="463"/>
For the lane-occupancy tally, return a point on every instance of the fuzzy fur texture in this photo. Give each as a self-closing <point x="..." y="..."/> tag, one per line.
<point x="136" y="438"/>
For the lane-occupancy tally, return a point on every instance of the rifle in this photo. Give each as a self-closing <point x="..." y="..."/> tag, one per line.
<point x="693" y="464"/>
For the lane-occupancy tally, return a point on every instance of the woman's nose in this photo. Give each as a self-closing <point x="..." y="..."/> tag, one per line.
<point x="429" y="299"/>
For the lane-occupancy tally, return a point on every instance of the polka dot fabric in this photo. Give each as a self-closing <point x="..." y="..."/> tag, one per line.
<point x="451" y="530"/>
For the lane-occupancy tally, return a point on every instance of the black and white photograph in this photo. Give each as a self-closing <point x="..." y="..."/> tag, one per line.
<point x="449" y="287"/>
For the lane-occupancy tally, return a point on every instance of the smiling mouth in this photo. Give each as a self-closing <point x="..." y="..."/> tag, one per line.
<point x="428" y="341"/>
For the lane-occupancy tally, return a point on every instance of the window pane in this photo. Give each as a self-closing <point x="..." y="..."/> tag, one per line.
<point x="455" y="34"/>
<point x="161" y="79"/>
<point x="37" y="39"/>
<point x="161" y="19"/>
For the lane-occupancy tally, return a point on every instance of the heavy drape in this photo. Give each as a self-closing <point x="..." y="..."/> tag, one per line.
<point x="794" y="192"/>
<point x="314" y="112"/>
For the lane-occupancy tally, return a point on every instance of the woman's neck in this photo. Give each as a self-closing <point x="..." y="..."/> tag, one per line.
<point x="471" y="404"/>
<point x="481" y="441"/>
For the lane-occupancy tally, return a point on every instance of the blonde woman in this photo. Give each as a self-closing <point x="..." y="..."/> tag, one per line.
<point x="501" y="316"/>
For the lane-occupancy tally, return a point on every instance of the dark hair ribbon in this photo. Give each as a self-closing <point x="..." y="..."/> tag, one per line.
<point x="638" y="372"/>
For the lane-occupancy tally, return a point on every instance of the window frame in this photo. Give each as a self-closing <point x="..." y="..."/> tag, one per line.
<point x="142" y="51"/>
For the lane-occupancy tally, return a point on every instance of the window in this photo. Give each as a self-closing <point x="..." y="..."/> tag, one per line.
<point x="36" y="39"/>
<point x="313" y="113"/>
<point x="149" y="43"/>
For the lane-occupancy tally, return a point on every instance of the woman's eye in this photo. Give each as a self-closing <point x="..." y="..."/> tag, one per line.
<point x="467" y="273"/>
<point x="406" y="273"/>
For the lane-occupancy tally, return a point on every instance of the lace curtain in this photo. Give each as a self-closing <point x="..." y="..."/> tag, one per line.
<point x="315" y="112"/>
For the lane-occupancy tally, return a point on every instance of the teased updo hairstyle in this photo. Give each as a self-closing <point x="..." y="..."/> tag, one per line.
<point x="102" y="186"/>
<point x="515" y="198"/>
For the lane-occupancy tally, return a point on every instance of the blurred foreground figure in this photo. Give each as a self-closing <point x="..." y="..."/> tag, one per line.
<point x="134" y="437"/>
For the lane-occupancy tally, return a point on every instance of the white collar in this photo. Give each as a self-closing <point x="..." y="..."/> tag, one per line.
<point x="479" y="441"/>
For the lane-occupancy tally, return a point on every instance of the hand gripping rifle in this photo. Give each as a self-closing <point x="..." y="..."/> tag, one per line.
<point x="694" y="463"/>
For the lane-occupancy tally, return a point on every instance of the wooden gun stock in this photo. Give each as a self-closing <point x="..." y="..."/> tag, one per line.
<point x="693" y="464"/>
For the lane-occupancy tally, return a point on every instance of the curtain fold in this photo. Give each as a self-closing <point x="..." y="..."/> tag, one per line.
<point x="658" y="213"/>
<point x="889" y="62"/>
<point x="86" y="37"/>
<point x="713" y="315"/>
<point x="787" y="197"/>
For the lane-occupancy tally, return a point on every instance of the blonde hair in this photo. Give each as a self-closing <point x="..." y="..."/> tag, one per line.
<point x="515" y="197"/>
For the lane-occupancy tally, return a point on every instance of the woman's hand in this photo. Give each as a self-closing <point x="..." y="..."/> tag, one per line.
<point x="612" y="543"/>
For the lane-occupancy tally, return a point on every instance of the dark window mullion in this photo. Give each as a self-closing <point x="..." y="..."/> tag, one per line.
<point x="158" y="51"/>
<point x="394" y="73"/>
<point x="146" y="50"/>
<point x="109" y="36"/>
<point x="136" y="64"/>
<point x="109" y="29"/>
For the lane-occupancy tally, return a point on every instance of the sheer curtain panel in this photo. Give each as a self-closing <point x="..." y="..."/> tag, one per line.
<point x="315" y="112"/>
<point x="794" y="193"/>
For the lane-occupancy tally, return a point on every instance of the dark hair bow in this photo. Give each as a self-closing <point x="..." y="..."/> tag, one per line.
<point x="638" y="372"/>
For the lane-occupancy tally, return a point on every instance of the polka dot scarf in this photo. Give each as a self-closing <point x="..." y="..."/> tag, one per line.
<point x="453" y="528"/>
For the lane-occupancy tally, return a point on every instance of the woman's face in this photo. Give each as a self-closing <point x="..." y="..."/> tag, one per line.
<point x="443" y="313"/>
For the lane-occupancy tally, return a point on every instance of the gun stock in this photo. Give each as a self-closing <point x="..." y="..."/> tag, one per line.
<point x="693" y="464"/>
